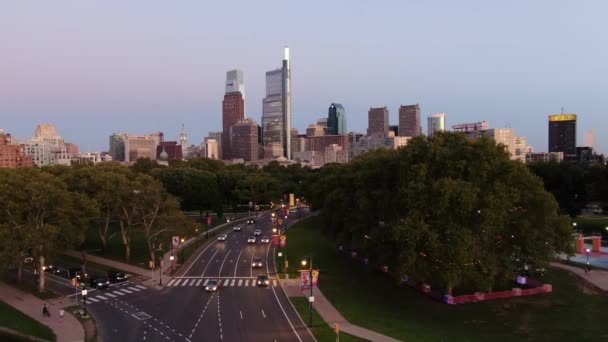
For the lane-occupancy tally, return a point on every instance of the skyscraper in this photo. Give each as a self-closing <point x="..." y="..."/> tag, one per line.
<point x="562" y="134"/>
<point x="409" y="121"/>
<point x="233" y="109"/>
<point x="276" y="111"/>
<point x="286" y="95"/>
<point x="436" y="123"/>
<point x="245" y="140"/>
<point x="183" y="139"/>
<point x="336" y="119"/>
<point x="377" y="122"/>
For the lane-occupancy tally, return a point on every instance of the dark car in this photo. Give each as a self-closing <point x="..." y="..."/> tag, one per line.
<point x="250" y="221"/>
<point x="76" y="273"/>
<point x="99" y="283"/>
<point x="52" y="269"/>
<point x="262" y="280"/>
<point x="116" y="276"/>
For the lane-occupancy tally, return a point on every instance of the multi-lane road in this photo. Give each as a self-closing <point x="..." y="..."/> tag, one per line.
<point x="184" y="311"/>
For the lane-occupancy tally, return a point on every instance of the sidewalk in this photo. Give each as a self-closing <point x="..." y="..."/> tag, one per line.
<point x="329" y="314"/>
<point x="599" y="278"/>
<point x="67" y="329"/>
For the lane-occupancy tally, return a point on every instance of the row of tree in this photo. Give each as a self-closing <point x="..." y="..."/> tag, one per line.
<point x="445" y="210"/>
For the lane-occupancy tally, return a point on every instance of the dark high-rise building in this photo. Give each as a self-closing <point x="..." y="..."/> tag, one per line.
<point x="117" y="146"/>
<point x="233" y="108"/>
<point x="377" y="122"/>
<point x="336" y="119"/>
<point x="245" y="140"/>
<point x="562" y="134"/>
<point x="409" y="121"/>
<point x="394" y="129"/>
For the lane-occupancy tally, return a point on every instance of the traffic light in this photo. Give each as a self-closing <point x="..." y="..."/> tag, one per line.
<point x="337" y="328"/>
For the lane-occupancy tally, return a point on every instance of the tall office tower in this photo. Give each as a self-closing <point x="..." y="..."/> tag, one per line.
<point x="272" y="111"/>
<point x="245" y="140"/>
<point x="436" y="123"/>
<point x="409" y="121"/>
<point x="562" y="134"/>
<point x="233" y="108"/>
<point x="377" y="122"/>
<point x="286" y="95"/>
<point x="217" y="136"/>
<point x="590" y="138"/>
<point x="210" y="148"/>
<point x="183" y="139"/>
<point x="336" y="119"/>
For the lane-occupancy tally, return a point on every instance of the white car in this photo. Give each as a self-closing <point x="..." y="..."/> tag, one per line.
<point x="212" y="285"/>
<point x="222" y="237"/>
<point x="257" y="232"/>
<point x="237" y="228"/>
<point x="265" y="239"/>
<point x="257" y="262"/>
<point x="251" y="239"/>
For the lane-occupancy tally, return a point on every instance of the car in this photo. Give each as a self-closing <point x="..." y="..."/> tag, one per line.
<point x="251" y="239"/>
<point x="250" y="221"/>
<point x="256" y="263"/>
<point x="257" y="232"/>
<point x="116" y="276"/>
<point x="99" y="282"/>
<point x="265" y="239"/>
<point x="222" y="237"/>
<point x="237" y="228"/>
<point x="74" y="272"/>
<point x="51" y="269"/>
<point x="212" y="285"/>
<point x="262" y="280"/>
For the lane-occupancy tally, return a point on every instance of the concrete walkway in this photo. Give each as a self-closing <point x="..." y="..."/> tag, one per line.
<point x="329" y="314"/>
<point x="599" y="278"/>
<point x="67" y="329"/>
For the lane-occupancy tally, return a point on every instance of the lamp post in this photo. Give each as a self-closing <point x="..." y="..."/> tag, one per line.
<point x="182" y="248"/>
<point x="84" y="297"/>
<point x="311" y="298"/>
<point x="172" y="258"/>
<point x="588" y="250"/>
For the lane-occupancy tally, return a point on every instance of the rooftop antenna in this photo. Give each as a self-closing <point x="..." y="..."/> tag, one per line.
<point x="562" y="110"/>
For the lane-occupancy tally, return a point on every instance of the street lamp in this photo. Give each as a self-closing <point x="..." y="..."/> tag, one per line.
<point x="84" y="297"/>
<point x="182" y="241"/>
<point x="588" y="250"/>
<point x="311" y="298"/>
<point x="172" y="258"/>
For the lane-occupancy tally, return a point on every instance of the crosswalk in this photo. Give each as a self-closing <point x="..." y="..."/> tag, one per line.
<point x="224" y="282"/>
<point x="116" y="291"/>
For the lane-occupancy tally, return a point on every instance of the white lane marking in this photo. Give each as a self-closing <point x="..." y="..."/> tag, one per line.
<point x="171" y="282"/>
<point x="118" y="293"/>
<point x="274" y="282"/>
<point x="199" y="282"/>
<point x="232" y="282"/>
<point x="94" y="300"/>
<point x="226" y="282"/>
<point x="111" y="295"/>
<point x="102" y="297"/>
<point x="127" y="291"/>
<point x="252" y="282"/>
<point x="199" y="255"/>
<point x="185" y="282"/>
<point x="285" y="313"/>
<point x="192" y="282"/>
<point x="177" y="282"/>
<point x="141" y="287"/>
<point x="246" y="282"/>
<point x="240" y="282"/>
<point x="263" y="314"/>
<point x="236" y="265"/>
<point x="241" y="312"/>
<point x="222" y="266"/>
<point x="205" y="283"/>
<point x="211" y="259"/>
<point x="134" y="289"/>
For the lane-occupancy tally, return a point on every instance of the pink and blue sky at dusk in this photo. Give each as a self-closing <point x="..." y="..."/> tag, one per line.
<point x="92" y="68"/>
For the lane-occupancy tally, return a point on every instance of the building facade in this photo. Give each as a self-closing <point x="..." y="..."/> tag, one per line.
<point x="117" y="146"/>
<point x="409" y="121"/>
<point x="272" y="109"/>
<point x="471" y="127"/>
<point x="562" y="134"/>
<point x="336" y="120"/>
<point x="245" y="140"/>
<point x="11" y="155"/>
<point x="172" y="148"/>
<point x="140" y="146"/>
<point x="377" y="122"/>
<point x="210" y="149"/>
<point x="233" y="110"/>
<point x="436" y="123"/>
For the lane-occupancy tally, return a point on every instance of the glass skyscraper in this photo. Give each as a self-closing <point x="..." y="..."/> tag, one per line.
<point x="336" y="119"/>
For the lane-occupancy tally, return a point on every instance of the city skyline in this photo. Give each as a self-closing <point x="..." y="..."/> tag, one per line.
<point x="91" y="82"/>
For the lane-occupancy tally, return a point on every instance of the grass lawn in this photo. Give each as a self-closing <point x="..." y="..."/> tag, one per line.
<point x="77" y="261"/>
<point x="18" y="321"/>
<point x="322" y="331"/>
<point x="372" y="300"/>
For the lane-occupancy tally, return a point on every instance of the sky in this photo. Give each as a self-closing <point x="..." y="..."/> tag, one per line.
<point x="96" y="67"/>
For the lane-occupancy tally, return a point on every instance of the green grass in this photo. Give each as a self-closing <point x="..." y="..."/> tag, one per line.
<point x="322" y="331"/>
<point x="18" y="321"/>
<point x="115" y="249"/>
<point x="374" y="301"/>
<point x="77" y="261"/>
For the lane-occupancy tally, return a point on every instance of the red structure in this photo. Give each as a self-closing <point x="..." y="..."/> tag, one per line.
<point x="173" y="149"/>
<point x="233" y="110"/>
<point x="596" y="243"/>
<point x="10" y="155"/>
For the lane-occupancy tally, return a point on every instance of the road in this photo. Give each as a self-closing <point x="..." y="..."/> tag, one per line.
<point x="183" y="311"/>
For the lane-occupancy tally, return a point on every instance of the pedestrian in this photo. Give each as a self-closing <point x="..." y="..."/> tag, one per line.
<point x="45" y="311"/>
<point x="61" y="312"/>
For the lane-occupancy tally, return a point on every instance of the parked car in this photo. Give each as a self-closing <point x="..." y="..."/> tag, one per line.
<point x="212" y="285"/>
<point x="262" y="280"/>
<point x="99" y="282"/>
<point x="116" y="276"/>
<point x="74" y="272"/>
<point x="256" y="263"/>
<point x="51" y="269"/>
